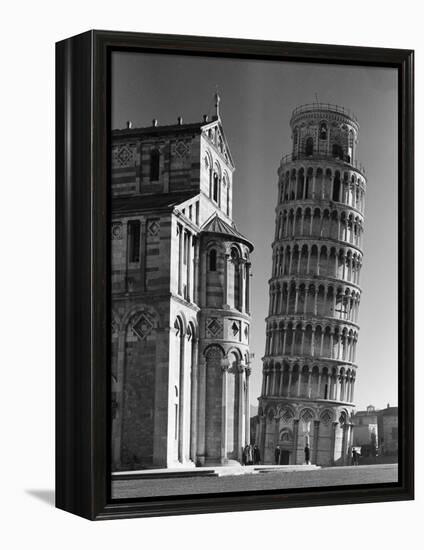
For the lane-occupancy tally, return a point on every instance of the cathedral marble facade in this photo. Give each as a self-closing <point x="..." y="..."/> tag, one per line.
<point x="180" y="289"/>
<point x="309" y="366"/>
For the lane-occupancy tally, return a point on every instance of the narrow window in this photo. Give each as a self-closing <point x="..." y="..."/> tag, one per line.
<point x="197" y="212"/>
<point x="336" y="188"/>
<point x="154" y="165"/>
<point x="212" y="260"/>
<point x="215" y="187"/>
<point x="228" y="199"/>
<point x="185" y="250"/>
<point x="134" y="240"/>
<point x="326" y="391"/>
<point x="176" y="414"/>
<point x="190" y="212"/>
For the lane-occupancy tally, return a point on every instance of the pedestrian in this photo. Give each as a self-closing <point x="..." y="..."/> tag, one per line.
<point x="256" y="455"/>
<point x="277" y="454"/>
<point x="248" y="454"/>
<point x="307" y="455"/>
<point x="355" y="457"/>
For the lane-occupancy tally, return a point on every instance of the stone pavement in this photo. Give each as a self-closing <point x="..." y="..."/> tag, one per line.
<point x="320" y="477"/>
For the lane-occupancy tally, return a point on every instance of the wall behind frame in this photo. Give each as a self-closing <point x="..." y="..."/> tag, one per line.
<point x="27" y="277"/>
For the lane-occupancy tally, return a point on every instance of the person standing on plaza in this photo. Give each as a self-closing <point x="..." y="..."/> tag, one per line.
<point x="256" y="455"/>
<point x="277" y="454"/>
<point x="307" y="455"/>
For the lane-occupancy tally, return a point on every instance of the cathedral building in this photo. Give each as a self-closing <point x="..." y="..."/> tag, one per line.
<point x="309" y="367"/>
<point x="180" y="283"/>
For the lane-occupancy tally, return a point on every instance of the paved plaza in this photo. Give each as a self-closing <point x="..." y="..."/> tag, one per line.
<point x="323" y="477"/>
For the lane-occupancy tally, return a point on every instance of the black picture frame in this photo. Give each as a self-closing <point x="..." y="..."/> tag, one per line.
<point x="82" y="268"/>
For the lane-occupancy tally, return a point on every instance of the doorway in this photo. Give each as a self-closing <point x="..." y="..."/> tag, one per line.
<point x="285" y="457"/>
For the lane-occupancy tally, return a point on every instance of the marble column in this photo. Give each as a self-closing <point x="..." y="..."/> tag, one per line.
<point x="290" y="380"/>
<point x="180" y="259"/>
<point x="194" y="401"/>
<point x="201" y="414"/>
<point x="196" y="270"/>
<point x="189" y="289"/>
<point x="315" y="442"/>
<point x="295" y="439"/>
<point x="241" y="410"/>
<point x="248" y="370"/>
<point x="248" y="275"/>
<point x="226" y="260"/>
<point x="333" y="442"/>
<point x="224" y="412"/>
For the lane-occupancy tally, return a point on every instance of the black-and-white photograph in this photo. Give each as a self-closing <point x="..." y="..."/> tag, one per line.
<point x="254" y="261"/>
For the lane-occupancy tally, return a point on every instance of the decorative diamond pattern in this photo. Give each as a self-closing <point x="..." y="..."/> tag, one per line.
<point x="182" y="149"/>
<point x="142" y="326"/>
<point x="153" y="228"/>
<point x="124" y="156"/>
<point x="214" y="327"/>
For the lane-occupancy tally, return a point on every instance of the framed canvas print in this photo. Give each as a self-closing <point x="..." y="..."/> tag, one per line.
<point x="234" y="275"/>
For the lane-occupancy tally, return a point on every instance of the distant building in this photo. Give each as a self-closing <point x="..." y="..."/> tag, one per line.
<point x="365" y="431"/>
<point x="388" y="431"/>
<point x="376" y="432"/>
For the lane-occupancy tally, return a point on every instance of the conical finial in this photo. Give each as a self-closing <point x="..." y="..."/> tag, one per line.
<point x="217" y="102"/>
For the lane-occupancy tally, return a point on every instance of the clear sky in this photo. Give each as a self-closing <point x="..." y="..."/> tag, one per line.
<point x="257" y="98"/>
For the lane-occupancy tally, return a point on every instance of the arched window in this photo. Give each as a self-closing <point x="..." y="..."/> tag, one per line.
<point x="337" y="151"/>
<point x="323" y="131"/>
<point x="309" y="147"/>
<point x="154" y="165"/>
<point x="212" y="260"/>
<point x="215" y="187"/>
<point x="235" y="283"/>
<point x="336" y="187"/>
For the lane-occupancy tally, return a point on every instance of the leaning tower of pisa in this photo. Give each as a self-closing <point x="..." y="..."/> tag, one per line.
<point x="309" y="367"/>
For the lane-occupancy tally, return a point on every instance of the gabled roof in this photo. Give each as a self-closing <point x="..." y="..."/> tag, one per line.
<point x="218" y="123"/>
<point x="217" y="225"/>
